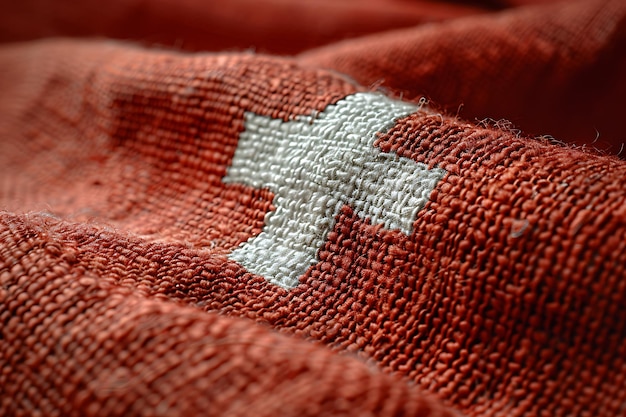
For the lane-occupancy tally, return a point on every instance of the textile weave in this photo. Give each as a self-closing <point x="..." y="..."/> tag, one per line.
<point x="428" y="263"/>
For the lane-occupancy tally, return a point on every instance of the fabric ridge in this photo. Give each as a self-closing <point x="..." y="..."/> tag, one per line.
<point x="317" y="227"/>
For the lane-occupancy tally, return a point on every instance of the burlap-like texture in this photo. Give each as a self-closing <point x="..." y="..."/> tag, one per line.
<point x="120" y="294"/>
<point x="506" y="297"/>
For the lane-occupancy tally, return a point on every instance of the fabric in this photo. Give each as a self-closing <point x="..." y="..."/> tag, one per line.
<point x="273" y="208"/>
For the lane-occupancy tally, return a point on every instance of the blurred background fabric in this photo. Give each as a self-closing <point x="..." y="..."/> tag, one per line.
<point x="548" y="67"/>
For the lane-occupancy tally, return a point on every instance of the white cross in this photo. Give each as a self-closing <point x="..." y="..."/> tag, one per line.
<point x="314" y="165"/>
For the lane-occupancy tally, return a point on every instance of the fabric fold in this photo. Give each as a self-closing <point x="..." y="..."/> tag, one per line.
<point x="547" y="69"/>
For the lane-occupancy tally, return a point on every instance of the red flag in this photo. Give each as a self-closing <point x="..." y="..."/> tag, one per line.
<point x="231" y="233"/>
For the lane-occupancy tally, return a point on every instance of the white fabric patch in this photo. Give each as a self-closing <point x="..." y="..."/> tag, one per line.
<point x="316" y="164"/>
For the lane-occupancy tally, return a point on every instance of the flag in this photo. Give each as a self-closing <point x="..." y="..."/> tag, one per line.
<point x="378" y="208"/>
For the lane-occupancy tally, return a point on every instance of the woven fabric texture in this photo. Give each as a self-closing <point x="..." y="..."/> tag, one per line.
<point x="230" y="233"/>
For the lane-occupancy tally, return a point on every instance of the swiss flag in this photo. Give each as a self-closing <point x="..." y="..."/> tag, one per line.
<point x="244" y="234"/>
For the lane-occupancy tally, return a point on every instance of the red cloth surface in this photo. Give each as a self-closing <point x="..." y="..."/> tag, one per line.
<point x="446" y="175"/>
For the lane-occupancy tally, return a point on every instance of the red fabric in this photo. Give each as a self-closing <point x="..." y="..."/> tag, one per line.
<point x="276" y="26"/>
<point x="555" y="69"/>
<point x="119" y="294"/>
